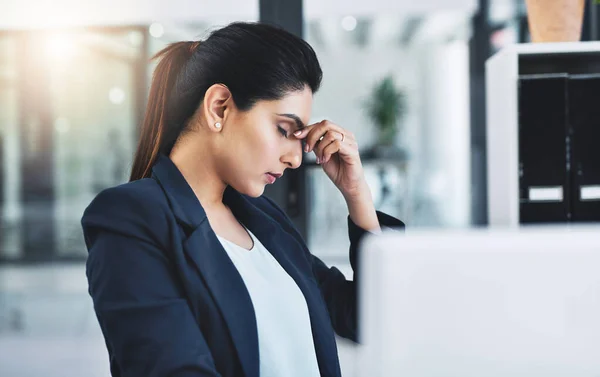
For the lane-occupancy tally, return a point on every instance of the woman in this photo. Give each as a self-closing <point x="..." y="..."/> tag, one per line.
<point x="193" y="272"/>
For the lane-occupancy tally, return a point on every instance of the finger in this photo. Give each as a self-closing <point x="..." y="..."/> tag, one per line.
<point x="344" y="150"/>
<point x="301" y="133"/>
<point x="350" y="143"/>
<point x="327" y="139"/>
<point x="319" y="130"/>
<point x="349" y="136"/>
<point x="312" y="135"/>
<point x="330" y="150"/>
<point x="330" y="137"/>
<point x="304" y="131"/>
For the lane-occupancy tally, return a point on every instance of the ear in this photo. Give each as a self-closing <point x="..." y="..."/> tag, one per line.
<point x="217" y="101"/>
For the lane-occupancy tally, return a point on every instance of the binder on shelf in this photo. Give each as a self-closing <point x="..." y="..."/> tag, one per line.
<point x="543" y="123"/>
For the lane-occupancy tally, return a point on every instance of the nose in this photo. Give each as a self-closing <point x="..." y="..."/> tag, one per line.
<point x="293" y="157"/>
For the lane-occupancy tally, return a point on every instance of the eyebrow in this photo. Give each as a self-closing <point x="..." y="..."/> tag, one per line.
<point x="295" y="118"/>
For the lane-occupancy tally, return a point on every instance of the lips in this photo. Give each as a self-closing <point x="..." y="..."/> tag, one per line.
<point x="272" y="177"/>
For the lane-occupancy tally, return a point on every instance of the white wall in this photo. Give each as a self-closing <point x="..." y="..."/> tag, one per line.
<point x="322" y="8"/>
<point x="436" y="128"/>
<point x="443" y="159"/>
<point x="64" y="13"/>
<point x="349" y="74"/>
<point x="61" y="13"/>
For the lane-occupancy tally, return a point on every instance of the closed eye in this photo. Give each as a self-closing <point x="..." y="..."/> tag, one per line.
<point x="282" y="131"/>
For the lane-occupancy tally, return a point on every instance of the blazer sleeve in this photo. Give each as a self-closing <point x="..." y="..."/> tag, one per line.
<point x="338" y="292"/>
<point x="149" y="328"/>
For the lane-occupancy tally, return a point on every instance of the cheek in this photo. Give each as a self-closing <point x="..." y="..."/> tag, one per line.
<point x="266" y="148"/>
<point x="271" y="152"/>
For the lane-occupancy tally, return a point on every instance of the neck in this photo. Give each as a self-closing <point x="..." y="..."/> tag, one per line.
<point x="194" y="161"/>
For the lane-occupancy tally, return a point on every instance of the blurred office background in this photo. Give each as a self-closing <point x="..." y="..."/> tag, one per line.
<point x="73" y="83"/>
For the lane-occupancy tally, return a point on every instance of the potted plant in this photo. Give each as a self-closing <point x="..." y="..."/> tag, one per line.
<point x="386" y="106"/>
<point x="555" y="20"/>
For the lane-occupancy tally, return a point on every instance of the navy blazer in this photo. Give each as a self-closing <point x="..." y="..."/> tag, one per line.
<point x="169" y="300"/>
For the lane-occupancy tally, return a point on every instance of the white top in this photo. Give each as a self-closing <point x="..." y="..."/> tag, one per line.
<point x="285" y="341"/>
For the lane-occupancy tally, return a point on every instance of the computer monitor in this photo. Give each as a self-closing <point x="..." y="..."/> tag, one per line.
<point x="481" y="303"/>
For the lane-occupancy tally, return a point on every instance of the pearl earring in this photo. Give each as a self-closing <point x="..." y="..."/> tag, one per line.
<point x="218" y="125"/>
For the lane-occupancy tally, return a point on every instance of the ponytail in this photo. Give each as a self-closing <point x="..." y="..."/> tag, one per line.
<point x="154" y="132"/>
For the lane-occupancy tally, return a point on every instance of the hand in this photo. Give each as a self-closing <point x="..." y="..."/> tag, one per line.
<point x="337" y="152"/>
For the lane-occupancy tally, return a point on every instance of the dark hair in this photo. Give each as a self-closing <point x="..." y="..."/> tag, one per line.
<point x="255" y="61"/>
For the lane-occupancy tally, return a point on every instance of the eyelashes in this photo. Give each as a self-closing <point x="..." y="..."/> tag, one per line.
<point x="282" y="131"/>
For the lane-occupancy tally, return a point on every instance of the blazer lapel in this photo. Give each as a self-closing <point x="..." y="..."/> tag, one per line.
<point x="229" y="292"/>
<point x="218" y="272"/>
<point x="291" y="254"/>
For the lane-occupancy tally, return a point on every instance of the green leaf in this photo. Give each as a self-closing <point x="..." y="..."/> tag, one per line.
<point x="386" y="105"/>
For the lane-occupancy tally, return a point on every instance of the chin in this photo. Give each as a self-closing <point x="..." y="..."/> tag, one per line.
<point x="256" y="192"/>
<point x="253" y="191"/>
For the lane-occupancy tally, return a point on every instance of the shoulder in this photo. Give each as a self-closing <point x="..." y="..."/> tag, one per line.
<point x="136" y="208"/>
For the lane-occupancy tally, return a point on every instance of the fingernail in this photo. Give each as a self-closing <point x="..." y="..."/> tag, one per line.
<point x="306" y="148"/>
<point x="318" y="160"/>
<point x="298" y="133"/>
